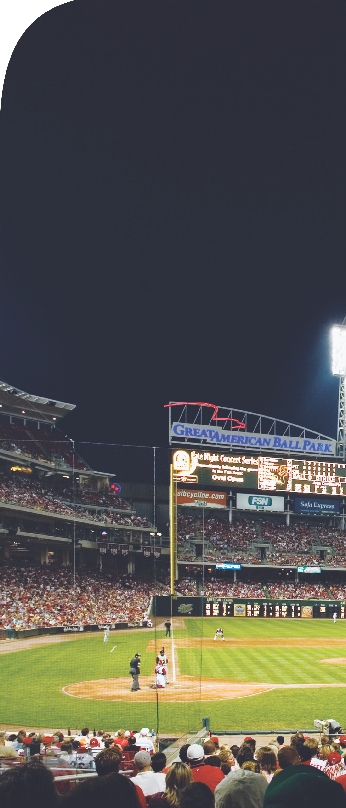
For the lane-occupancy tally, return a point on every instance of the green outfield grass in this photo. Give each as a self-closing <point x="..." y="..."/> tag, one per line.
<point x="32" y="679"/>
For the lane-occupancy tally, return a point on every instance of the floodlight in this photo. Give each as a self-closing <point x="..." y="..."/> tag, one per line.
<point x="338" y="345"/>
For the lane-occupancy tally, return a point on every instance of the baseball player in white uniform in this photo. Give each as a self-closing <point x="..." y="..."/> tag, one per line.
<point x="163" y="660"/>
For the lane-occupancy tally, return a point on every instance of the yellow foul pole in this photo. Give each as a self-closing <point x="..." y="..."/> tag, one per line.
<point x="173" y="559"/>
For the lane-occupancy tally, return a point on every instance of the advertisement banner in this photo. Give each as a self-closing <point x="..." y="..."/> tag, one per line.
<point x="314" y="505"/>
<point x="239" y="610"/>
<point x="201" y="499"/>
<point x="311" y="570"/>
<point x="307" y="611"/>
<point x="260" y="502"/>
<point x="227" y="565"/>
<point x="225" y="438"/>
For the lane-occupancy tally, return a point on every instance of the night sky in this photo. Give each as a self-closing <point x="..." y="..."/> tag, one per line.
<point x="173" y="210"/>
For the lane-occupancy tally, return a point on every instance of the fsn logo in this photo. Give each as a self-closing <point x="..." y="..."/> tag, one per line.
<point x="261" y="502"/>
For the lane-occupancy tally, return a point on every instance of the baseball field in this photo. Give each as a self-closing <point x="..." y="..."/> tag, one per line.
<point x="268" y="674"/>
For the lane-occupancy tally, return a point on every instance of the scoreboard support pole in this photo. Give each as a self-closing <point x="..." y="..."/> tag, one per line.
<point x="172" y="533"/>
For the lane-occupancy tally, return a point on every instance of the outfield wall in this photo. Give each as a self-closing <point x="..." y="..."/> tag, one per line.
<point x="164" y="606"/>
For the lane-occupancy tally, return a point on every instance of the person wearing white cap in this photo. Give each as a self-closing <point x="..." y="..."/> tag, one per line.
<point x="210" y="775"/>
<point x="146" y="779"/>
<point x="143" y="740"/>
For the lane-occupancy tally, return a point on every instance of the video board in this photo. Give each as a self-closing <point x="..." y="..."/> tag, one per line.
<point x="303" y="476"/>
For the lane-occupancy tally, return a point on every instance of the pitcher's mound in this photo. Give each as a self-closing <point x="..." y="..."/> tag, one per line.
<point x="186" y="688"/>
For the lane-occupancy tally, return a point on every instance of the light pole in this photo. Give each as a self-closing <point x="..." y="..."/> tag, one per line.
<point x="338" y="355"/>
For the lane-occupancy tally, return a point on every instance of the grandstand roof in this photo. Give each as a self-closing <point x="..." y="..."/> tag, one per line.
<point x="18" y="403"/>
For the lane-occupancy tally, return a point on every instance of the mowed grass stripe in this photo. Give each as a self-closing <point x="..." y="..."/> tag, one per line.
<point x="261" y="627"/>
<point x="274" y="666"/>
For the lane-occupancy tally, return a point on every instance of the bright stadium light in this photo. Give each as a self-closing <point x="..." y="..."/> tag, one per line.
<point x="338" y="345"/>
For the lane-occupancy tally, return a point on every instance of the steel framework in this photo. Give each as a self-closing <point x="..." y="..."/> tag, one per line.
<point x="237" y="420"/>
<point x="341" y="439"/>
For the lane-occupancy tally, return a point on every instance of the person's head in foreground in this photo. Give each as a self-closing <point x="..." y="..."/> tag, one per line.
<point x="288" y="756"/>
<point x="142" y="761"/>
<point x="158" y="761"/>
<point x="308" y="750"/>
<point x="31" y="784"/>
<point x="195" y="754"/>
<point x="267" y="759"/>
<point x="300" y="786"/>
<point x="178" y="778"/>
<point x="197" y="795"/>
<point x="108" y="760"/>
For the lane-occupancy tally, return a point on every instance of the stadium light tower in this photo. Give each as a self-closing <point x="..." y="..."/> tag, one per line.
<point x="338" y="345"/>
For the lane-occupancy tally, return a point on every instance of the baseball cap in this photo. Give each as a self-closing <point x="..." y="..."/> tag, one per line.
<point x="144" y="731"/>
<point x="342" y="739"/>
<point x="195" y="752"/>
<point x="248" y="738"/>
<point x="142" y="758"/>
<point x="334" y="757"/>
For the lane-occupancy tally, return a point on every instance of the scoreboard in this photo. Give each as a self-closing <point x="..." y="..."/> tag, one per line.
<point x="223" y="607"/>
<point x="218" y="608"/>
<point x="300" y="475"/>
<point x="184" y="606"/>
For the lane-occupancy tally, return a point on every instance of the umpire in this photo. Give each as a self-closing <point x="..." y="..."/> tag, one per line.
<point x="135" y="669"/>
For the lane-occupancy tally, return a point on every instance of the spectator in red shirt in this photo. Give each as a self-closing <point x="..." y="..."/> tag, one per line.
<point x="210" y="775"/>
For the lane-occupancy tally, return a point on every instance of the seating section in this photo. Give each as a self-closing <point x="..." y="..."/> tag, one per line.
<point x="37" y="596"/>
<point x="39" y="444"/>
<point x="26" y="492"/>
<point x="260" y="541"/>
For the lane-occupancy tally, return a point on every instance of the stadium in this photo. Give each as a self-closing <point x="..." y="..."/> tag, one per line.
<point x="218" y="560"/>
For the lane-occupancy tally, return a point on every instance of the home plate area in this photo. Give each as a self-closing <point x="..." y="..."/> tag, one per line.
<point x="186" y="688"/>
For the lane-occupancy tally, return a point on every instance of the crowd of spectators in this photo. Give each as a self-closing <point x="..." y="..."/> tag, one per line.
<point x="105" y="498"/>
<point x="298" y="536"/>
<point x="329" y="536"/>
<point x="38" y="444"/>
<point x="244" y="540"/>
<point x="26" y="492"/>
<point x="306" y="772"/>
<point x="36" y="596"/>
<point x="213" y="588"/>
<point x="297" y="591"/>
<point x="31" y="597"/>
<point x="219" y="589"/>
<point x="338" y="591"/>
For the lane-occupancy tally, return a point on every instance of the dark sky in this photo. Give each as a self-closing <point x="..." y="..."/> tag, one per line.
<point x="173" y="210"/>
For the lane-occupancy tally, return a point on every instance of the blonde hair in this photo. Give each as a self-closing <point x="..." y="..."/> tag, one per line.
<point x="178" y="777"/>
<point x="226" y="756"/>
<point x="251" y="765"/>
<point x="325" y="751"/>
